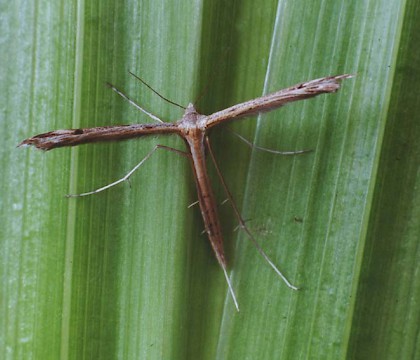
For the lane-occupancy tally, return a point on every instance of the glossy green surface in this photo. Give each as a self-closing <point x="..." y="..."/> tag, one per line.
<point x="127" y="273"/>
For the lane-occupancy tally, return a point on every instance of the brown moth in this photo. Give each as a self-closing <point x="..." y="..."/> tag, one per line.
<point x="193" y="128"/>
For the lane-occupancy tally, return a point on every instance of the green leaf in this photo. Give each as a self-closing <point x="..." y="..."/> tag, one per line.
<point x="127" y="273"/>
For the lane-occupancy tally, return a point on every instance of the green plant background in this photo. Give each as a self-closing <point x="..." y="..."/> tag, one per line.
<point x="127" y="273"/>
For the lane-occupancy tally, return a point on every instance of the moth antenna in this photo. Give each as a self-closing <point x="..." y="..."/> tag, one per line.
<point x="137" y="106"/>
<point x="158" y="94"/>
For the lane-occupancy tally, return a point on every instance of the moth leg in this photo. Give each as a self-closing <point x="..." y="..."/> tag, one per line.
<point x="242" y="221"/>
<point x="271" y="151"/>
<point x="137" y="106"/>
<point x="128" y="175"/>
